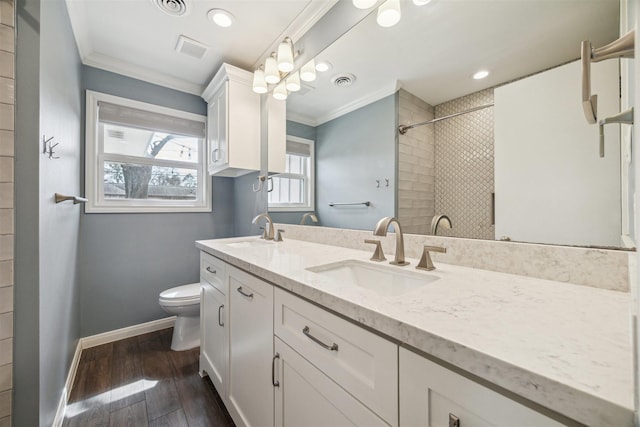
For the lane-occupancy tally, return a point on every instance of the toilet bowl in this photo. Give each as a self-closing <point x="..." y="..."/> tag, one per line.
<point x="184" y="303"/>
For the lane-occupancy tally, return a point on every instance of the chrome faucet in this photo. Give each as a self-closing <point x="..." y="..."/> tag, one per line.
<point x="268" y="232"/>
<point x="311" y="215"/>
<point x="381" y="230"/>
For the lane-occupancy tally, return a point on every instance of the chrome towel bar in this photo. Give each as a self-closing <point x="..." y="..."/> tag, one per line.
<point x="332" y="204"/>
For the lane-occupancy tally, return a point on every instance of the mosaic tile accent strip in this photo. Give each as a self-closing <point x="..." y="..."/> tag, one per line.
<point x="464" y="168"/>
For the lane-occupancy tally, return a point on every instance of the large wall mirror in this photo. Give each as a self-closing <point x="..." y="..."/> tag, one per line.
<point x="523" y="167"/>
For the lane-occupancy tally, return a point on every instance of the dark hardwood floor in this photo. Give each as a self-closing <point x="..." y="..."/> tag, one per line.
<point x="139" y="381"/>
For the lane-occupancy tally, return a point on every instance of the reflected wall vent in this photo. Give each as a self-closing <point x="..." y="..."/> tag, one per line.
<point x="191" y="47"/>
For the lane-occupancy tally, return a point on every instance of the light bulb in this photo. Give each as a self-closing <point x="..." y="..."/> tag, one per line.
<point x="389" y="13"/>
<point x="259" y="83"/>
<point x="280" y="92"/>
<point x="364" y="4"/>
<point x="308" y="71"/>
<point x="293" y="82"/>
<point x="285" y="56"/>
<point x="271" y="73"/>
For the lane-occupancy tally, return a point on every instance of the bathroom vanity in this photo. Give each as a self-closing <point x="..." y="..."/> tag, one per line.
<point x="288" y="338"/>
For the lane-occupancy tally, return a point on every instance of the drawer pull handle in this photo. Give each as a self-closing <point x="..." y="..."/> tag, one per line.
<point x="210" y="270"/>
<point x="220" y="322"/>
<point x="453" y="421"/>
<point x="332" y="347"/>
<point x="244" y="293"/>
<point x="275" y="382"/>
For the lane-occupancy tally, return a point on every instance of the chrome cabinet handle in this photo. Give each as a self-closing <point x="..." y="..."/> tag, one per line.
<point x="211" y="271"/>
<point x="453" y="421"/>
<point x="220" y="322"/>
<point x="275" y="382"/>
<point x="244" y="293"/>
<point x="214" y="155"/>
<point x="332" y="347"/>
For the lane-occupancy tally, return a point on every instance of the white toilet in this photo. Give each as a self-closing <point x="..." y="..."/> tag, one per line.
<point x="183" y="302"/>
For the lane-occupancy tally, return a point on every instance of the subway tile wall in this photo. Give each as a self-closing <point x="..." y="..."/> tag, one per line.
<point x="7" y="102"/>
<point x="464" y="181"/>
<point x="416" y="176"/>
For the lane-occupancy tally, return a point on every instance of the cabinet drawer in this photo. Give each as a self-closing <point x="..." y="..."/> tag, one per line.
<point x="213" y="271"/>
<point x="361" y="362"/>
<point x="431" y="395"/>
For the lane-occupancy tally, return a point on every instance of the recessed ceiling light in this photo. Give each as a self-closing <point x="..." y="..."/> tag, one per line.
<point x="421" y="2"/>
<point x="481" y="74"/>
<point x="364" y="4"/>
<point x="221" y="17"/>
<point x="323" y="66"/>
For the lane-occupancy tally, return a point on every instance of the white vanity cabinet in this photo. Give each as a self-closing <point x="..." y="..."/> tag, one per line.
<point x="250" y="390"/>
<point x="214" y="334"/>
<point x="233" y="125"/>
<point x="362" y="365"/>
<point x="433" y="396"/>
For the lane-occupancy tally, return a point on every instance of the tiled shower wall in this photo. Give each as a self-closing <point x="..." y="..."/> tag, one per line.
<point x="416" y="176"/>
<point x="7" y="101"/>
<point x="464" y="170"/>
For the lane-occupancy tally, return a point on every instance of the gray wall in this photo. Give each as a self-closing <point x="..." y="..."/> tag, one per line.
<point x="352" y="152"/>
<point x="301" y="131"/>
<point x="47" y="311"/>
<point x="126" y="260"/>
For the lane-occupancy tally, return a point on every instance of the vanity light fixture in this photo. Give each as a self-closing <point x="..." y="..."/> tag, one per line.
<point x="221" y="17"/>
<point x="480" y="74"/>
<point x="293" y="82"/>
<point x="308" y="71"/>
<point x="323" y="66"/>
<point x="259" y="83"/>
<point x="271" y="73"/>
<point x="285" y="55"/>
<point x="389" y="13"/>
<point x="364" y="4"/>
<point x="280" y="92"/>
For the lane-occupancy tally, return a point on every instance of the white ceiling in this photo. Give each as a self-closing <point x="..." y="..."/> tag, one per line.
<point x="137" y="39"/>
<point x="436" y="48"/>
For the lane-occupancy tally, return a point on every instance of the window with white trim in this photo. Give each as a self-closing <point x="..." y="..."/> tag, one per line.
<point x="293" y="190"/>
<point x="144" y="158"/>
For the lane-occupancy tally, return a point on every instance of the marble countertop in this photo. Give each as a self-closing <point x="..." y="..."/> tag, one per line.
<point x="566" y="347"/>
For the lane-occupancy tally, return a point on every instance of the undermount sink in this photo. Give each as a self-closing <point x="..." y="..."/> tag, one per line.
<point x="383" y="279"/>
<point x="249" y="243"/>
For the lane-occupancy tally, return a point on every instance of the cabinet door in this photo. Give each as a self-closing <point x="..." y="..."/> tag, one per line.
<point x="250" y="389"/>
<point x="213" y="339"/>
<point x="433" y="396"/>
<point x="305" y="397"/>
<point x="217" y="130"/>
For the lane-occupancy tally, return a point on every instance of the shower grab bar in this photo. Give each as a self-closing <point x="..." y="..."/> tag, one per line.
<point x="76" y="199"/>
<point x="402" y="129"/>
<point x="620" y="48"/>
<point x="332" y="204"/>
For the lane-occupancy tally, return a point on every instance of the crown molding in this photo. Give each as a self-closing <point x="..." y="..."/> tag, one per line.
<point x="302" y="119"/>
<point x="109" y="63"/>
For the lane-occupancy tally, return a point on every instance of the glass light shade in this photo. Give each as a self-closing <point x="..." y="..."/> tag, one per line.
<point x="421" y="2"/>
<point x="323" y="66"/>
<point x="293" y="82"/>
<point x="364" y="4"/>
<point x="271" y="73"/>
<point x="308" y="71"/>
<point x="259" y="83"/>
<point x="389" y="13"/>
<point x="285" y="56"/>
<point x="280" y="92"/>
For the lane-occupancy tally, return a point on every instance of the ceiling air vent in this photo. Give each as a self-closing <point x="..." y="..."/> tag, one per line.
<point x="191" y="47"/>
<point x="173" y="7"/>
<point x="343" y="80"/>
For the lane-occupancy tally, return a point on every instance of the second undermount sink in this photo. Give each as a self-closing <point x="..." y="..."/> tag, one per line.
<point x="382" y="279"/>
<point x="249" y="243"/>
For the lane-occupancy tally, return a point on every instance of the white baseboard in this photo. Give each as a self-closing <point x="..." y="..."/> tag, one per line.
<point x="99" y="339"/>
<point x="128" y="332"/>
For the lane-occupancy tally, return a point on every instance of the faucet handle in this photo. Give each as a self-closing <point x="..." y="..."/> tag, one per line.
<point x="378" y="255"/>
<point x="278" y="237"/>
<point x="425" y="261"/>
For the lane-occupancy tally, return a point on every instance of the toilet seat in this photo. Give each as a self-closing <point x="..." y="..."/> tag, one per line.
<point x="181" y="295"/>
